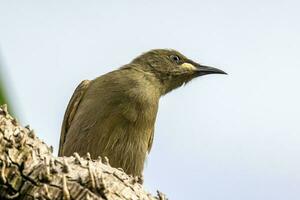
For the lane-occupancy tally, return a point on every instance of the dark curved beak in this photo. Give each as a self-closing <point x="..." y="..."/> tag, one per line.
<point x="203" y="70"/>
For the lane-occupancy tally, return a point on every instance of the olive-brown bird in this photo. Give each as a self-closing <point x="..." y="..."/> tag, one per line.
<point x="114" y="114"/>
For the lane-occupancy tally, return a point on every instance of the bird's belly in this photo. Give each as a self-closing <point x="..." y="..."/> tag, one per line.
<point x="126" y="150"/>
<point x="128" y="156"/>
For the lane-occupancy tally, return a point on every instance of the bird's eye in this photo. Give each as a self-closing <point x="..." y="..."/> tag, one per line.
<point x="175" y="58"/>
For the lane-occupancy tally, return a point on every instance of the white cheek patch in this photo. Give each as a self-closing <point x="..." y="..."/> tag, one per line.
<point x="188" y="66"/>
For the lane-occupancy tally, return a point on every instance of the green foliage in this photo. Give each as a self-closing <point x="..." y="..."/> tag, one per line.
<point x="2" y="95"/>
<point x="3" y="92"/>
<point x="3" y="98"/>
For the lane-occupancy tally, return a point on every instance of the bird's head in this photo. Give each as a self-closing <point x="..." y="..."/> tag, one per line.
<point x="171" y="68"/>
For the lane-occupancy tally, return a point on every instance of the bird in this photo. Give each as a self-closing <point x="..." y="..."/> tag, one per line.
<point x="114" y="114"/>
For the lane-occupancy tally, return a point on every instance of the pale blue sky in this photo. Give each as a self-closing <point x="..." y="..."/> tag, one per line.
<point x="220" y="137"/>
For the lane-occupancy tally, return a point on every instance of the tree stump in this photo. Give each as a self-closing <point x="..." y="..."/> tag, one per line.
<point x="28" y="170"/>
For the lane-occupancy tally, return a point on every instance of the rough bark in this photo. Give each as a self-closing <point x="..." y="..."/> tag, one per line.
<point x="28" y="170"/>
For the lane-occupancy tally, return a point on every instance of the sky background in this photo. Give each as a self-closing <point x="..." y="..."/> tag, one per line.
<point x="220" y="137"/>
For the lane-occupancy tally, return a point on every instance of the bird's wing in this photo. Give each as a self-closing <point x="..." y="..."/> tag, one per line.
<point x="150" y="141"/>
<point x="71" y="111"/>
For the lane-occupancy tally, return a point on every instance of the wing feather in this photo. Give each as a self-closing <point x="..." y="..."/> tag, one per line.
<point x="150" y="141"/>
<point x="71" y="111"/>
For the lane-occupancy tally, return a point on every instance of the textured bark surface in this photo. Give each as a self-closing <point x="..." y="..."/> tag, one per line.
<point x="28" y="170"/>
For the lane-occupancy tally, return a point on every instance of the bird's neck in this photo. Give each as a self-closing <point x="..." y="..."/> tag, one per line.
<point x="149" y="78"/>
